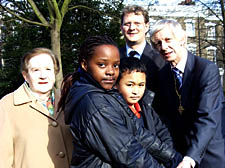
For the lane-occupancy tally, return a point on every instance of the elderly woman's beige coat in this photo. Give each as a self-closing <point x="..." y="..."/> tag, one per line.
<point x="29" y="136"/>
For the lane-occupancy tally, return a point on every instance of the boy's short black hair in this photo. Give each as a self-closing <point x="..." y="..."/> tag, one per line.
<point x="130" y="64"/>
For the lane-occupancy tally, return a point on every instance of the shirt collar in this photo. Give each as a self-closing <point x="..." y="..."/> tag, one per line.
<point x="181" y="65"/>
<point x="136" y="110"/>
<point x="140" y="49"/>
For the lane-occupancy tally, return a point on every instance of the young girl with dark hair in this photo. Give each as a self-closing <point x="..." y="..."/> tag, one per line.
<point x="106" y="133"/>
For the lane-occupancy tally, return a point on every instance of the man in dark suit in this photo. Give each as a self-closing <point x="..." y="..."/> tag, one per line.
<point x="191" y="100"/>
<point x="134" y="26"/>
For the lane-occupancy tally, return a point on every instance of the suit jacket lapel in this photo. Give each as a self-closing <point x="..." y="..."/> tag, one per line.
<point x="146" y="53"/>
<point x="167" y="81"/>
<point x="188" y="76"/>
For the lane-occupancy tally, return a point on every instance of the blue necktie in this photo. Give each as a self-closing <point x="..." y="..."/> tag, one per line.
<point x="178" y="77"/>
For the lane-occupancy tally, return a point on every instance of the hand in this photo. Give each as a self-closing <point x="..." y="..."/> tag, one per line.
<point x="184" y="164"/>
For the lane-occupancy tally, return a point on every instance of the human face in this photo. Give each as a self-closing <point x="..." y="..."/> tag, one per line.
<point x="103" y="65"/>
<point x="169" y="47"/>
<point x="40" y="74"/>
<point x="134" y="28"/>
<point x="132" y="86"/>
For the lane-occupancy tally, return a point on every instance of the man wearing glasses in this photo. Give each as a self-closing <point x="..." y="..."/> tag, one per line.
<point x="135" y="26"/>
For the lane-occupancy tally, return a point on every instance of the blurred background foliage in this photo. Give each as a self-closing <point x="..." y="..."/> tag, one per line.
<point x="94" y="18"/>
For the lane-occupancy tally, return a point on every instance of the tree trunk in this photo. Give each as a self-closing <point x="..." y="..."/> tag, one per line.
<point x="55" y="43"/>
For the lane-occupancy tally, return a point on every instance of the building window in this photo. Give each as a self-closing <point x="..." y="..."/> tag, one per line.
<point x="192" y="48"/>
<point x="211" y="53"/>
<point x="211" y="31"/>
<point x="190" y="27"/>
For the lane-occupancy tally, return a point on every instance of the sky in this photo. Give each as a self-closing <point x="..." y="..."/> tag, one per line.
<point x="169" y="2"/>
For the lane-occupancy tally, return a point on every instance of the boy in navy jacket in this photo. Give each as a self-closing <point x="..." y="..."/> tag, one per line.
<point x="131" y="83"/>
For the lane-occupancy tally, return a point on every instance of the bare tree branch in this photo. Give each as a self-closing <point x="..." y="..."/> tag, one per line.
<point x="95" y="10"/>
<point x="38" y="13"/>
<point x="51" y="13"/>
<point x="211" y="10"/>
<point x="56" y="9"/>
<point x="64" y="8"/>
<point x="22" y="18"/>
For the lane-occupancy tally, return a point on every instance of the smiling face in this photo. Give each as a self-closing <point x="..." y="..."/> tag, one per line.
<point x="132" y="86"/>
<point x="103" y="66"/>
<point x="40" y="74"/>
<point x="171" y="48"/>
<point x="134" y="28"/>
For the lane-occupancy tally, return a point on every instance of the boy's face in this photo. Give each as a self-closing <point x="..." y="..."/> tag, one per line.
<point x="132" y="86"/>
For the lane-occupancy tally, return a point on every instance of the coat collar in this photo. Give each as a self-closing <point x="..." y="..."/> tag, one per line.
<point x="145" y="54"/>
<point x="23" y="96"/>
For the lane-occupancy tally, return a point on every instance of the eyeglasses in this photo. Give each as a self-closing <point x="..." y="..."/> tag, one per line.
<point x="136" y="24"/>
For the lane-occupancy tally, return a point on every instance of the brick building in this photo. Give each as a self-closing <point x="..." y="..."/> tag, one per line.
<point x="204" y="31"/>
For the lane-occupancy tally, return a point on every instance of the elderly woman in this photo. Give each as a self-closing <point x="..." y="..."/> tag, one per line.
<point x="32" y="133"/>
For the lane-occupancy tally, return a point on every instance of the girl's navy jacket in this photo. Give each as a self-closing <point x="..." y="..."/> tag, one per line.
<point x="107" y="133"/>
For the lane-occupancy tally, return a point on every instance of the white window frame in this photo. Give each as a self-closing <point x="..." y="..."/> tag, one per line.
<point x="211" y="53"/>
<point x="190" y="27"/>
<point x="211" y="31"/>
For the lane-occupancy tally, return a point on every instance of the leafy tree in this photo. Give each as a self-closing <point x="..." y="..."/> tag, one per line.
<point x="95" y="19"/>
<point x="63" y="32"/>
<point x="17" y="39"/>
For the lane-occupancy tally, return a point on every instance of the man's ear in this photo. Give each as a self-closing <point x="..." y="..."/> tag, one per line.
<point x="84" y="65"/>
<point x="183" y="42"/>
<point x="183" y="39"/>
<point x="121" y="28"/>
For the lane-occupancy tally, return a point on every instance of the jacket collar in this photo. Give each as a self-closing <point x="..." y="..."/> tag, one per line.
<point x="148" y="97"/>
<point x="23" y="96"/>
<point x="82" y="86"/>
